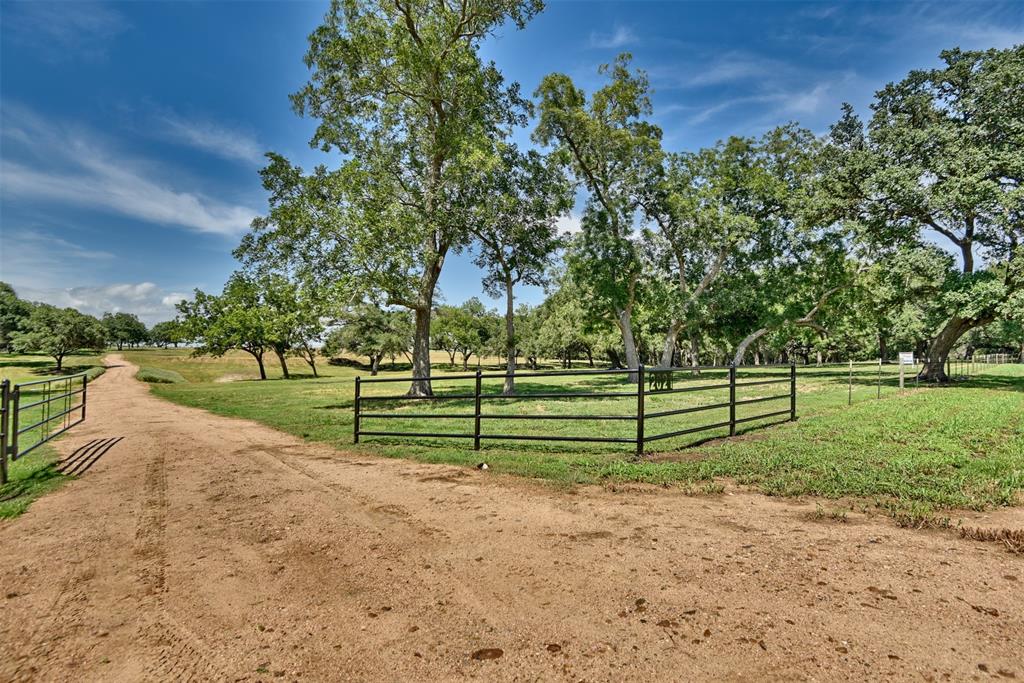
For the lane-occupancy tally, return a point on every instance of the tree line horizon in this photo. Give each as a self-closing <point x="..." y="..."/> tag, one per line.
<point x="760" y="248"/>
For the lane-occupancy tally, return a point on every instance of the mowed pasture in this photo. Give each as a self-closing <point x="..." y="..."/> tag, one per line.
<point x="911" y="454"/>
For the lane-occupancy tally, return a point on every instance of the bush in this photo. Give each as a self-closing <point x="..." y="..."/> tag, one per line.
<point x="158" y="376"/>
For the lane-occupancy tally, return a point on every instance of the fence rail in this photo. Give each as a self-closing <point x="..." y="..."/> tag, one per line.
<point x="37" y="412"/>
<point x="647" y="381"/>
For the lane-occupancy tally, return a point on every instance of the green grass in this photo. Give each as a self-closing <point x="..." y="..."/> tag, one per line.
<point x="28" y="478"/>
<point x="30" y="367"/>
<point x="158" y="376"/>
<point x="908" y="454"/>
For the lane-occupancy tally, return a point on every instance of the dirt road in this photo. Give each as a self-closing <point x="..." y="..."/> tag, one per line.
<point x="206" y="548"/>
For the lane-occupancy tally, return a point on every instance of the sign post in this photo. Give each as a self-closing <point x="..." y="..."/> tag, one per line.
<point x="906" y="358"/>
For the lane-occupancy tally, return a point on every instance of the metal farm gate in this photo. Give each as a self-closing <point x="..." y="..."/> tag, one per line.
<point x="32" y="413"/>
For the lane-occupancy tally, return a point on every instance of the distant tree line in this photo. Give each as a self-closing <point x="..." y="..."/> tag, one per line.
<point x="29" y="327"/>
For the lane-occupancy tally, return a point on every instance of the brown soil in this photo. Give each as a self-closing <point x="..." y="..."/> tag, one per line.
<point x="206" y="548"/>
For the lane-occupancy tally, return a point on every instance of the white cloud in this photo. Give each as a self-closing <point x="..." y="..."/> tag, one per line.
<point x="620" y="37"/>
<point x="74" y="166"/>
<point x="211" y="137"/>
<point x="569" y="224"/>
<point x="145" y="299"/>
<point x="63" y="31"/>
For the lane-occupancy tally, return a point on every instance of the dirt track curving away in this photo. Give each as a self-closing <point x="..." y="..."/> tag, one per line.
<point x="206" y="548"/>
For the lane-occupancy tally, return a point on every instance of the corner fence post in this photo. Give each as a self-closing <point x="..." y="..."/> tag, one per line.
<point x="355" y="421"/>
<point x="476" y="413"/>
<point x="792" y="392"/>
<point x="732" y="399"/>
<point x="640" y="411"/>
<point x="5" y="397"/>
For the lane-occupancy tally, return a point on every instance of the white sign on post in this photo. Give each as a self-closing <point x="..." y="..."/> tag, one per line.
<point x="907" y="358"/>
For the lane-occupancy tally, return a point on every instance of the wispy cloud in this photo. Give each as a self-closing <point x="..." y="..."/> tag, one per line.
<point x="74" y="166"/>
<point x="64" y="31"/>
<point x="730" y="68"/>
<point x="31" y="255"/>
<point x="621" y="36"/>
<point x="211" y="137"/>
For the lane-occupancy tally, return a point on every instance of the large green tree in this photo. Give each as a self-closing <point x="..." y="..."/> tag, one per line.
<point x="235" y="319"/>
<point x="13" y="314"/>
<point x="943" y="156"/>
<point x="399" y="89"/>
<point x="608" y="145"/>
<point x="368" y="330"/>
<point x="124" y="328"/>
<point x="516" y="231"/>
<point x="58" y="332"/>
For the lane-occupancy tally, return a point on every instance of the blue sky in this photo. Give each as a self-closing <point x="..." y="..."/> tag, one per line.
<point x="131" y="133"/>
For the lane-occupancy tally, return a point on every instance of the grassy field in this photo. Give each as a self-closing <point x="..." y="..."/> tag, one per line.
<point x="909" y="454"/>
<point x="36" y="473"/>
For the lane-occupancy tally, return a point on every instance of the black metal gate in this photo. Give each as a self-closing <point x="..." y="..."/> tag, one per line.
<point x="32" y="413"/>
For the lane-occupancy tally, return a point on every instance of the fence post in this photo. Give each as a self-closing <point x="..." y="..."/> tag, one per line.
<point x="355" y="421"/>
<point x="12" y="452"/>
<point x="476" y="414"/>
<point x="640" y="411"/>
<point x="849" y="392"/>
<point x="5" y="396"/>
<point x="85" y="393"/>
<point x="792" y="392"/>
<point x="732" y="399"/>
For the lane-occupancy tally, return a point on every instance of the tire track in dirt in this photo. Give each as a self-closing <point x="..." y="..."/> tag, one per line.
<point x="179" y="652"/>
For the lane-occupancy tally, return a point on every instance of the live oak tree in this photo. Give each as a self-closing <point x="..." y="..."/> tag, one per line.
<point x="516" y="231"/>
<point x="464" y="330"/>
<point x="165" y="333"/>
<point x="608" y="146"/>
<point x="706" y="206"/>
<point x="58" y="332"/>
<point x="13" y="313"/>
<point x="400" y="91"/>
<point x="236" y="319"/>
<point x="368" y="330"/>
<point x="943" y="154"/>
<point x="124" y="328"/>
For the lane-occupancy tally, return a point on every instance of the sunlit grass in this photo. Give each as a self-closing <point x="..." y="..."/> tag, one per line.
<point x="931" y="447"/>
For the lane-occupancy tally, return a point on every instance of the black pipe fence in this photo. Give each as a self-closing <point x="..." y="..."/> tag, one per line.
<point x="648" y="382"/>
<point x="32" y="413"/>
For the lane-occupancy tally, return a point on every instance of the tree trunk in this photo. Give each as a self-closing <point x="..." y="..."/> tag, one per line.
<point x="694" y="356"/>
<point x="934" y="368"/>
<point x="421" y="354"/>
<point x="624" y="318"/>
<point x="375" y="364"/>
<point x="741" y="350"/>
<point x="259" y="361"/>
<point x="510" y="340"/>
<point x="60" y="362"/>
<point x="882" y="346"/>
<point x="284" y="363"/>
<point x="668" y="348"/>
